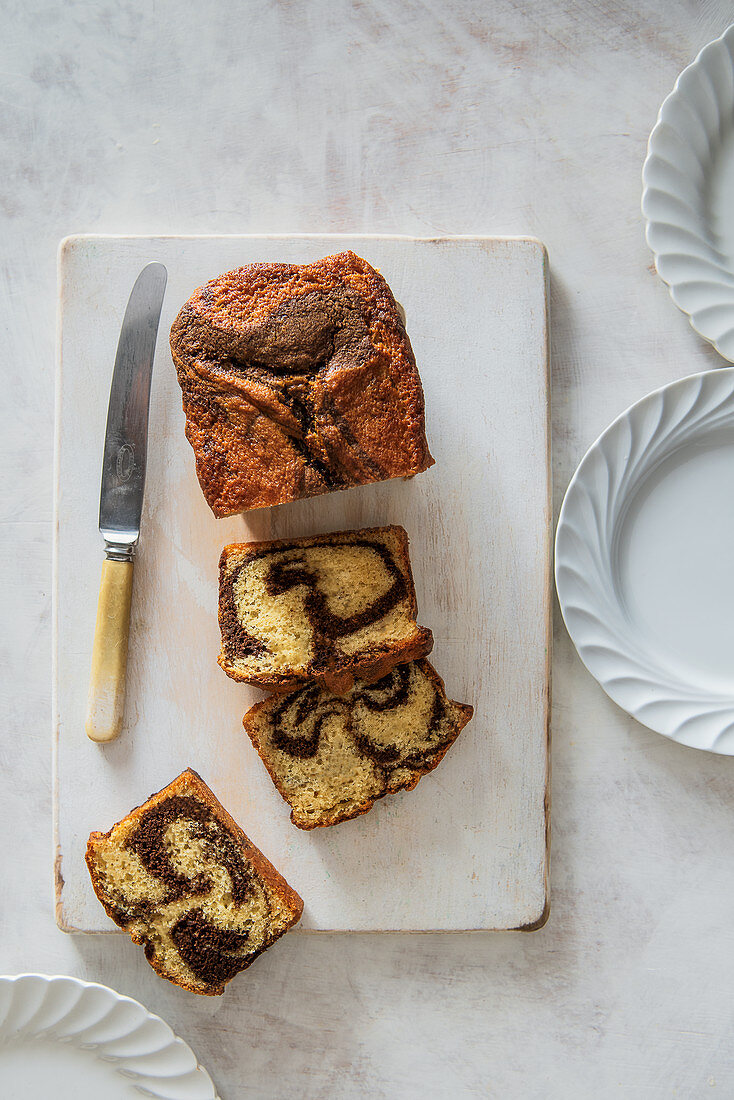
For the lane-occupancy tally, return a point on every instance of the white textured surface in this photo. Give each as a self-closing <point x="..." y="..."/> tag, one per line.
<point x="68" y="1039"/>
<point x="417" y="861"/>
<point x="411" y="117"/>
<point x="688" y="198"/>
<point x="644" y="548"/>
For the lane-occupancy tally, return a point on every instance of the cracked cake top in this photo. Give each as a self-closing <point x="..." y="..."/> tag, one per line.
<point x="297" y="380"/>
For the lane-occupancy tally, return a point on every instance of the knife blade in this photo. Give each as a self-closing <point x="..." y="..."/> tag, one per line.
<point x="121" y="499"/>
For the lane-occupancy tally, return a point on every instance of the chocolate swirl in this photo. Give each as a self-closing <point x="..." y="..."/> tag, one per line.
<point x="385" y="694"/>
<point x="298" y="720"/>
<point x="213" y="954"/>
<point x="293" y="573"/>
<point x="148" y="844"/>
<point x="186" y="883"/>
<point x="290" y="572"/>
<point x="303" y="745"/>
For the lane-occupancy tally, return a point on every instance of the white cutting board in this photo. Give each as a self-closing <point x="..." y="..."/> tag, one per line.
<point x="467" y="849"/>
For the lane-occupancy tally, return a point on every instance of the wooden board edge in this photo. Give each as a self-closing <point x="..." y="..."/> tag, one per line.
<point x="58" y="878"/>
<point x="544" y="915"/>
<point x="67" y="242"/>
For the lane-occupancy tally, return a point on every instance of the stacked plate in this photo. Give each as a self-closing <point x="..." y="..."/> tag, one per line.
<point x="688" y="197"/>
<point x="645" y="538"/>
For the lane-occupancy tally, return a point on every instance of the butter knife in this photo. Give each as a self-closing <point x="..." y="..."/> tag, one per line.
<point x="121" y="500"/>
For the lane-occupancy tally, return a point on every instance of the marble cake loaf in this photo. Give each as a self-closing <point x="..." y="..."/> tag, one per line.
<point x="182" y="878"/>
<point x="331" y="756"/>
<point x="296" y="380"/>
<point x="327" y="608"/>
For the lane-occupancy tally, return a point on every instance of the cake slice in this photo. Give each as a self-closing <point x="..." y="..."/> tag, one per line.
<point x="327" y="608"/>
<point x="332" y="756"/>
<point x="182" y="878"/>
<point x="297" y="379"/>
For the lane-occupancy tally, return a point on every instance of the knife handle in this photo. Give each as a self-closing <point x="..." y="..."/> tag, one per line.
<point x="106" y="702"/>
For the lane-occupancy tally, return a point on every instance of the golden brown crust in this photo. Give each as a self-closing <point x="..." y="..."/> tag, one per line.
<point x="464" y="712"/>
<point x="189" y="781"/>
<point x="370" y="668"/>
<point x="296" y="380"/>
<point x="372" y="663"/>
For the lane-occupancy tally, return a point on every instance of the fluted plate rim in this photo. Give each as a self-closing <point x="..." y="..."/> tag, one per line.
<point x="693" y="122"/>
<point x="100" y="1026"/>
<point x="594" y="507"/>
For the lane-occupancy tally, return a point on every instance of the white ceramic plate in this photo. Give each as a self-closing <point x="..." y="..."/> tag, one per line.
<point x="645" y="560"/>
<point x="67" y="1039"/>
<point x="688" y="196"/>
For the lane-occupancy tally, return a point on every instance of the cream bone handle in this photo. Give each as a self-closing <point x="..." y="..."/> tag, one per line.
<point x="106" y="702"/>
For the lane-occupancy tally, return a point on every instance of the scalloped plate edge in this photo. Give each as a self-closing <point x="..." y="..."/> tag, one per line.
<point x="193" y="1075"/>
<point x="649" y="186"/>
<point x="688" y="730"/>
